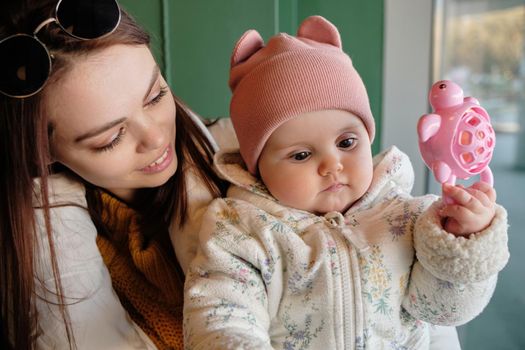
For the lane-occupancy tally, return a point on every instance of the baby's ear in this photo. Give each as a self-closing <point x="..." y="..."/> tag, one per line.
<point x="319" y="29"/>
<point x="249" y="43"/>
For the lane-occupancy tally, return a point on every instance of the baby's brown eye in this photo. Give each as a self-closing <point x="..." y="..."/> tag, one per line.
<point x="347" y="143"/>
<point x="301" y="155"/>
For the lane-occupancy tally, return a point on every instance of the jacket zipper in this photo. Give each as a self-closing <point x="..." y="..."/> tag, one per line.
<point x="353" y="314"/>
<point x="347" y="295"/>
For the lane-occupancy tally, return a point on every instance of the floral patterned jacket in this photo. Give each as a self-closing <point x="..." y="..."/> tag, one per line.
<point x="268" y="276"/>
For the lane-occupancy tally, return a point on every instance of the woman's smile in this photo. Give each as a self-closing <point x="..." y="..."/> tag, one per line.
<point x="161" y="163"/>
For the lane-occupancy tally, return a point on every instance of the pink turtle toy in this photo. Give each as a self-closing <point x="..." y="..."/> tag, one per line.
<point x="457" y="139"/>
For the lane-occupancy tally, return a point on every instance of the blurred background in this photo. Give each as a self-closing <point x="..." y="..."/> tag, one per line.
<point x="399" y="47"/>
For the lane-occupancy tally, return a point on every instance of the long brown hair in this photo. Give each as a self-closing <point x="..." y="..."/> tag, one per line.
<point x="24" y="156"/>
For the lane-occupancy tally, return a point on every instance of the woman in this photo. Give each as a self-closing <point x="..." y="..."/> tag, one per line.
<point x="96" y="155"/>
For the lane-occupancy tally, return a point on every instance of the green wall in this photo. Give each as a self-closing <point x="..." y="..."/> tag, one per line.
<point x="192" y="41"/>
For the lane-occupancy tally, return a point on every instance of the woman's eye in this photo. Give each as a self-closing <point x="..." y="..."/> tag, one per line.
<point x="347" y="143"/>
<point x="300" y="155"/>
<point x="115" y="141"/>
<point x="158" y="98"/>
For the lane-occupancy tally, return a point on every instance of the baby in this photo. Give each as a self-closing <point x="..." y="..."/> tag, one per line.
<point x="319" y="245"/>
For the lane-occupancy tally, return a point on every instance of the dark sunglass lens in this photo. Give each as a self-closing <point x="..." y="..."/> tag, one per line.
<point x="24" y="65"/>
<point x="88" y="19"/>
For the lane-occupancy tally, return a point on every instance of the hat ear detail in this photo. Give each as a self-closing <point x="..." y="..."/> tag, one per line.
<point x="249" y="43"/>
<point x="319" y="29"/>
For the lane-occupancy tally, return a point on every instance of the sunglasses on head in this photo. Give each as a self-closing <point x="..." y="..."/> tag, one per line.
<point x="25" y="62"/>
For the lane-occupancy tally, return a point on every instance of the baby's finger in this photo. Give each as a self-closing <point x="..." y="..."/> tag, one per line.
<point x="487" y="189"/>
<point x="459" y="195"/>
<point x="481" y="197"/>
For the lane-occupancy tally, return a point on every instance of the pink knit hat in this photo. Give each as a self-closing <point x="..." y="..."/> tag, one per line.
<point x="291" y="75"/>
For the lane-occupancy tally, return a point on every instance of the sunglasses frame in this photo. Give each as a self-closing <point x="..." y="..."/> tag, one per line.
<point x="34" y="36"/>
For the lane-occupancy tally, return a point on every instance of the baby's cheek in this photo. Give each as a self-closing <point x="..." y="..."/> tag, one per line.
<point x="297" y="195"/>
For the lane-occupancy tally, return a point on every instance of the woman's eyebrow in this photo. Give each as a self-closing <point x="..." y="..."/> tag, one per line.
<point x="99" y="130"/>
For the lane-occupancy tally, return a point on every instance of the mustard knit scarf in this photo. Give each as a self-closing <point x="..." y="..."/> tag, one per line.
<point x="145" y="274"/>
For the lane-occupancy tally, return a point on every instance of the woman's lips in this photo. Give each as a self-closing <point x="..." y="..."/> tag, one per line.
<point x="161" y="163"/>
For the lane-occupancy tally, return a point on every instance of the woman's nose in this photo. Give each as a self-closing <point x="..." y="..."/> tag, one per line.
<point x="330" y="165"/>
<point x="152" y="136"/>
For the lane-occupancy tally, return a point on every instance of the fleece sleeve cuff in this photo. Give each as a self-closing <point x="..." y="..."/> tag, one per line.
<point x="461" y="259"/>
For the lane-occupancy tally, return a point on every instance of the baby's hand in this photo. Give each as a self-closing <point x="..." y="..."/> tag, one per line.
<point x="473" y="208"/>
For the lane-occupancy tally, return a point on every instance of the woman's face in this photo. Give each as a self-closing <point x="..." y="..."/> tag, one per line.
<point x="113" y="119"/>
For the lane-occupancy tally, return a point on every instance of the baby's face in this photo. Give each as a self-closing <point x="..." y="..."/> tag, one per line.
<point x="318" y="161"/>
